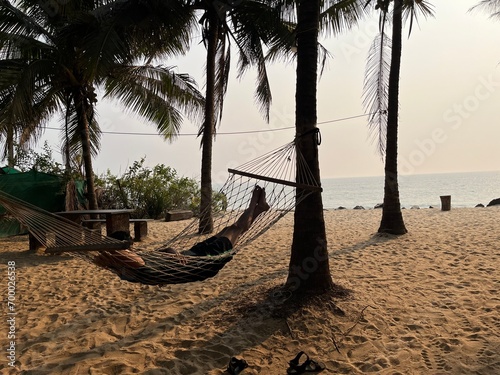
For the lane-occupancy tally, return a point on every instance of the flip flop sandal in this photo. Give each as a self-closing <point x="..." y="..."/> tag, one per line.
<point x="309" y="365"/>
<point x="236" y="366"/>
<point x="313" y="366"/>
<point x="295" y="362"/>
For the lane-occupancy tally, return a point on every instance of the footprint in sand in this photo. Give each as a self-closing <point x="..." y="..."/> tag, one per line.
<point x="431" y="362"/>
<point x="434" y="358"/>
<point x="487" y="354"/>
<point x="373" y="332"/>
<point x="490" y="321"/>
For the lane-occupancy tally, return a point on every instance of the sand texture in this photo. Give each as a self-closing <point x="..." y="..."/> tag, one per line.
<point x="424" y="303"/>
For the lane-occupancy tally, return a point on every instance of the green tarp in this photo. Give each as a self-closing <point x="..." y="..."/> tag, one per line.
<point x="8" y="170"/>
<point x="40" y="189"/>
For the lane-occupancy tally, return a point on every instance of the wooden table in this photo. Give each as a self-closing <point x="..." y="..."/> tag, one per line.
<point x="116" y="220"/>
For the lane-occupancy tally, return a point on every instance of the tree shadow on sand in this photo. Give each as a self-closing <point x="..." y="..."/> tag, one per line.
<point x="375" y="240"/>
<point x="244" y="317"/>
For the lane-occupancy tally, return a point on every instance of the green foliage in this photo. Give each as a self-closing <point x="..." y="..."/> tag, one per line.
<point x="42" y="162"/>
<point x="152" y="191"/>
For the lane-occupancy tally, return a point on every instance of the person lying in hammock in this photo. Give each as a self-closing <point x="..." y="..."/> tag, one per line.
<point x="148" y="268"/>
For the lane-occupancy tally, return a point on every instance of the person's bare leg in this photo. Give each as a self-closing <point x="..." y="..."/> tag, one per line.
<point x="119" y="258"/>
<point x="257" y="206"/>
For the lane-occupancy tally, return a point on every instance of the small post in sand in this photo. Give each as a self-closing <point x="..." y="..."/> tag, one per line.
<point x="445" y="202"/>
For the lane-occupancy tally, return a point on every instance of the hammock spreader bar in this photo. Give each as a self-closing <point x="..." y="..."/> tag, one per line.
<point x="276" y="180"/>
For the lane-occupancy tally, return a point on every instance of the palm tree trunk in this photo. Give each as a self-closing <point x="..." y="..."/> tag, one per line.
<point x="10" y="146"/>
<point x="206" y="220"/>
<point x="67" y="153"/>
<point x="83" y="123"/>
<point x="392" y="217"/>
<point x="309" y="270"/>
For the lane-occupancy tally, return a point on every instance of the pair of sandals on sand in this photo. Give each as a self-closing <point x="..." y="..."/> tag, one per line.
<point x="307" y="365"/>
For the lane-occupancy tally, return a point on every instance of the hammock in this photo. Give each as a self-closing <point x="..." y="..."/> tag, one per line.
<point x="283" y="174"/>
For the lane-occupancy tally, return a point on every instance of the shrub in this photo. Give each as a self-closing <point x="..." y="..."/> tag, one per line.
<point x="40" y="161"/>
<point x="152" y="191"/>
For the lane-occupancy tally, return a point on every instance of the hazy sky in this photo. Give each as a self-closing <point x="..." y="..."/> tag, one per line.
<point x="449" y="106"/>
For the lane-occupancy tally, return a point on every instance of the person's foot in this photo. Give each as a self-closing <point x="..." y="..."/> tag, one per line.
<point x="262" y="204"/>
<point x="255" y="196"/>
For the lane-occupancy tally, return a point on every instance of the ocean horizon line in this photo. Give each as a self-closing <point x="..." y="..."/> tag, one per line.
<point x="467" y="189"/>
<point x="409" y="174"/>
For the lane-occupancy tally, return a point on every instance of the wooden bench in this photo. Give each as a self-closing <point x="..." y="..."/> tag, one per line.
<point x="175" y="215"/>
<point x="140" y="226"/>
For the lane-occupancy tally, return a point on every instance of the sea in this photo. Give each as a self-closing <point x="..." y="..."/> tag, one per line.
<point x="422" y="190"/>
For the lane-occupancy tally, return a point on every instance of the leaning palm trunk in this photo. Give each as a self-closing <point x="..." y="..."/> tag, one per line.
<point x="309" y="270"/>
<point x="392" y="217"/>
<point x="206" y="220"/>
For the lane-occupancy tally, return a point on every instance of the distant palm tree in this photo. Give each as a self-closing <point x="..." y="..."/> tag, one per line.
<point x="381" y="97"/>
<point x="56" y="58"/>
<point x="248" y="25"/>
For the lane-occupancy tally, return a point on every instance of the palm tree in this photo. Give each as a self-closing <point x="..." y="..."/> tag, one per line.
<point x="249" y="25"/>
<point x="56" y="58"/>
<point x="381" y="97"/>
<point x="309" y="270"/>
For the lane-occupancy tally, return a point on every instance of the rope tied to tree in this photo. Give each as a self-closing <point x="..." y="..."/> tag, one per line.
<point x="315" y="132"/>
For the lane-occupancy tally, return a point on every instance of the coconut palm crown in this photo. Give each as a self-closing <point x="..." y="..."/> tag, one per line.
<point x="54" y="59"/>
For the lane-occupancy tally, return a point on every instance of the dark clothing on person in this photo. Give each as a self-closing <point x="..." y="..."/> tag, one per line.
<point x="212" y="246"/>
<point x="163" y="268"/>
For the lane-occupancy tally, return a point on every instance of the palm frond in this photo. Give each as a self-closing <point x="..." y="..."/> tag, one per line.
<point x="157" y="94"/>
<point x="341" y="15"/>
<point x="264" y="22"/>
<point x="14" y="46"/>
<point x="16" y="22"/>
<point x="10" y="70"/>
<point x="46" y="103"/>
<point x="34" y="93"/>
<point x="490" y="6"/>
<point x="323" y="57"/>
<point x="71" y="133"/>
<point x="283" y="52"/>
<point x="255" y="24"/>
<point x="412" y="9"/>
<point x="153" y="28"/>
<point x="287" y="8"/>
<point x="100" y="46"/>
<point x="27" y="117"/>
<point x="375" y="88"/>
<point x="263" y="95"/>
<point x="223" y="58"/>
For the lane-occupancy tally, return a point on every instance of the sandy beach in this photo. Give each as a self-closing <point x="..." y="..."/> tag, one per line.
<point x="424" y="303"/>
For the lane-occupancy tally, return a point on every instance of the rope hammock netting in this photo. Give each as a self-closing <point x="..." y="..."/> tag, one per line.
<point x="282" y="173"/>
